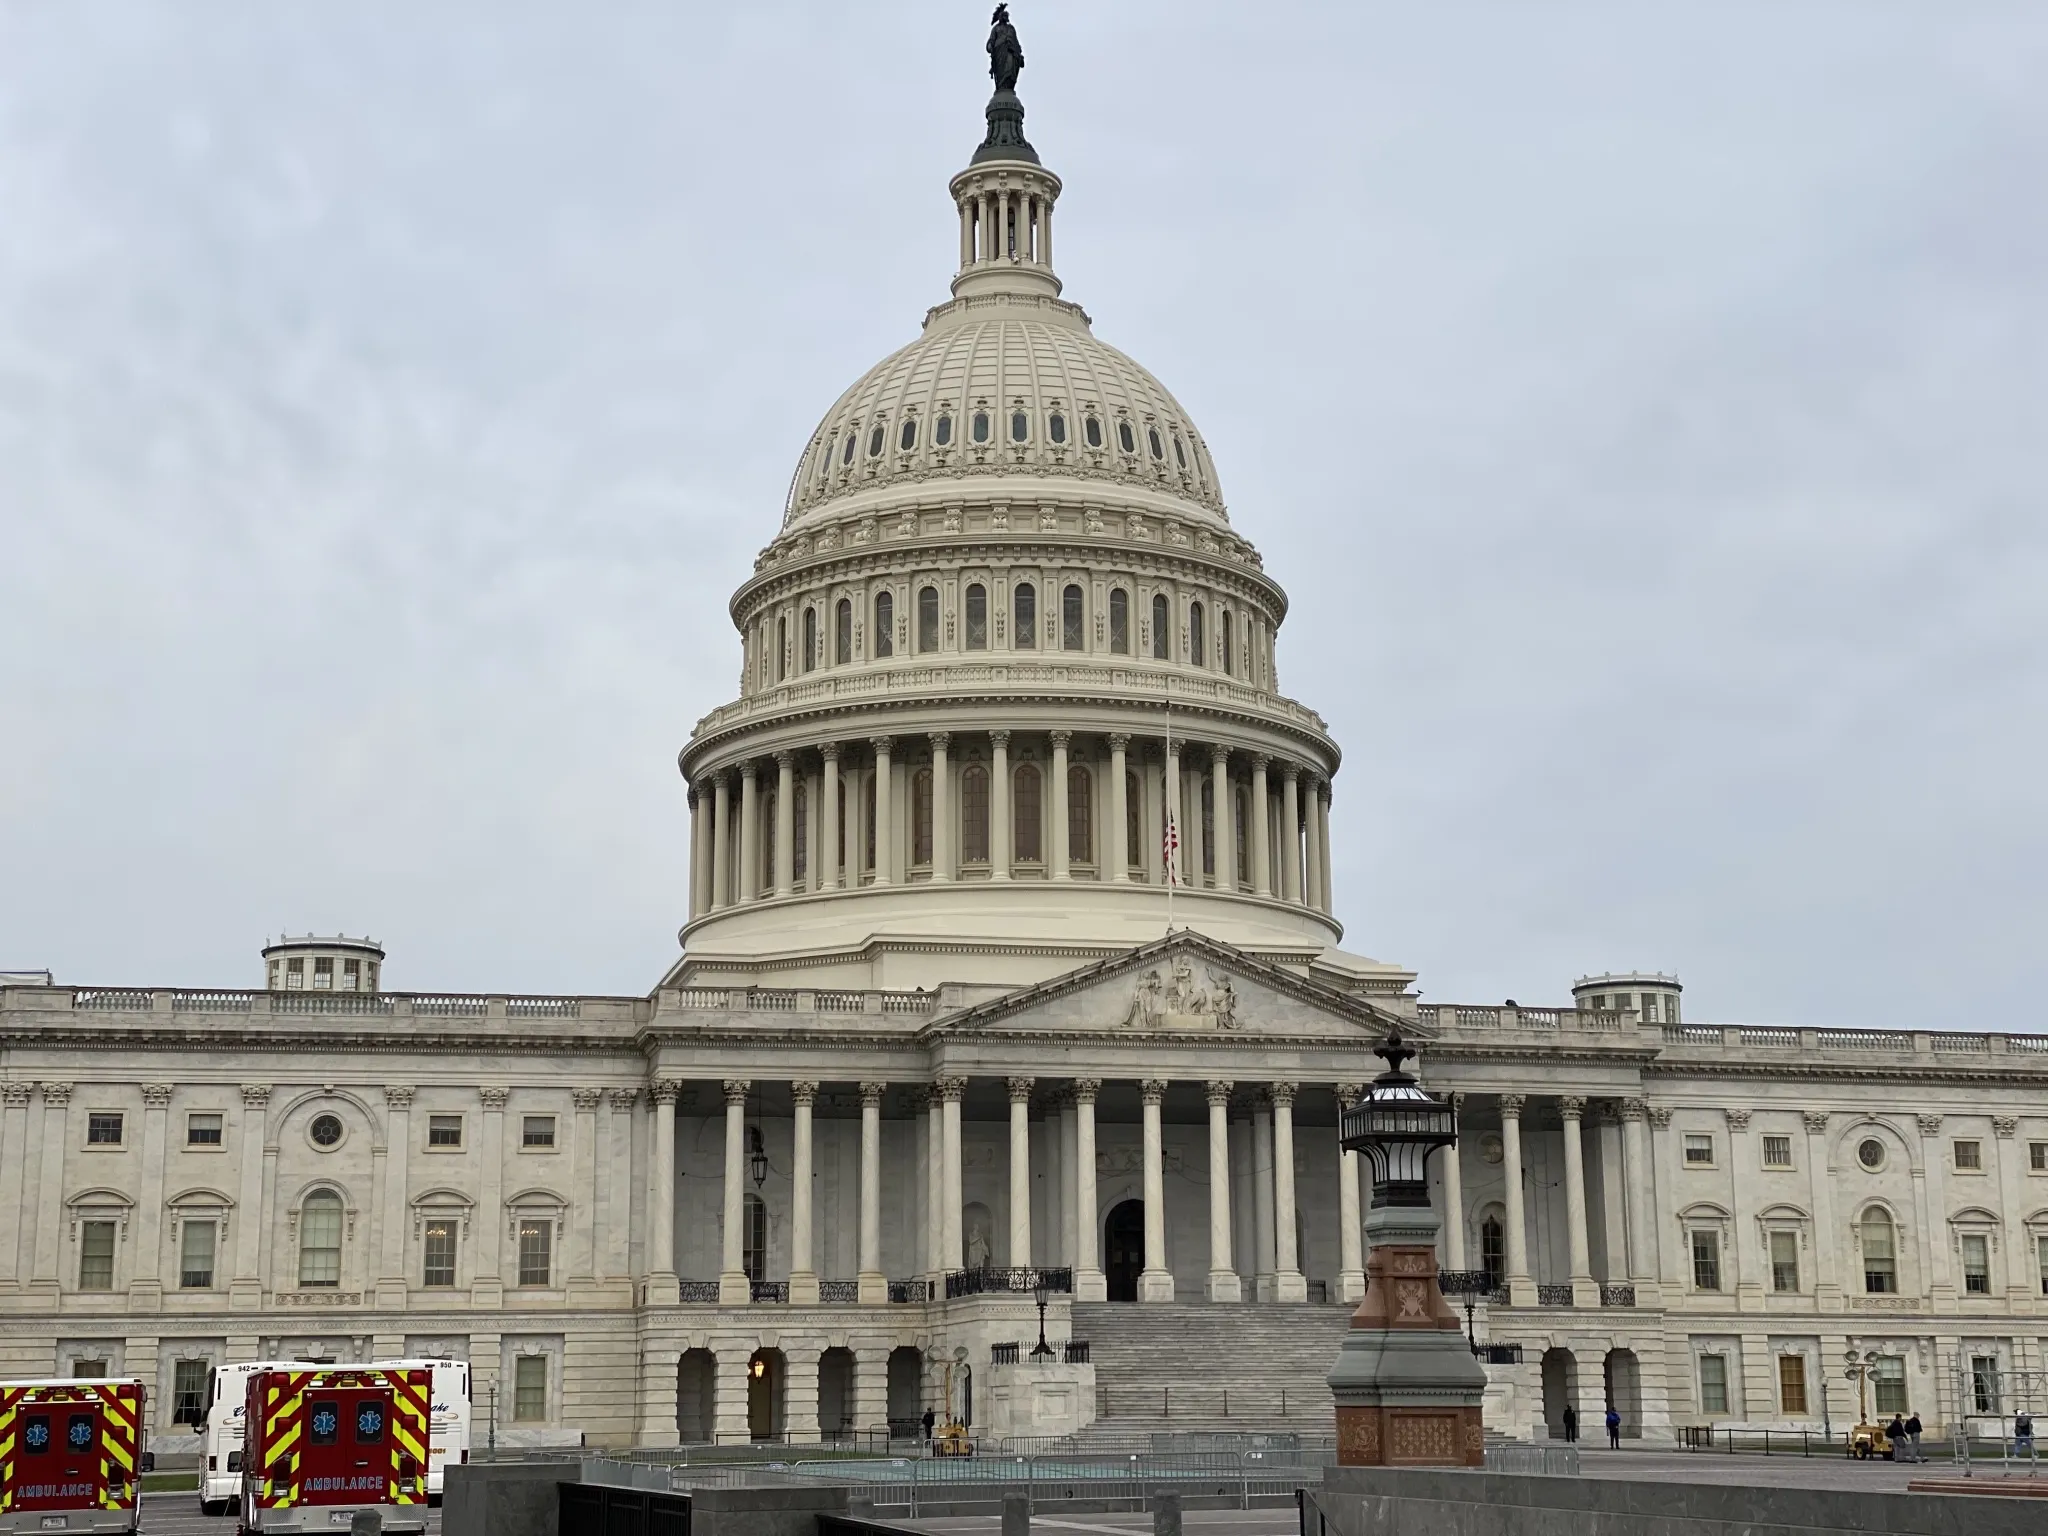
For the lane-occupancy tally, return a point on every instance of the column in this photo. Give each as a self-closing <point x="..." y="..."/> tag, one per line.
<point x="489" y="1287"/>
<point x="2017" y="1240"/>
<point x="1931" y="1216"/>
<point x="1262" y="1199"/>
<point x="14" y="1141"/>
<point x="885" y="822"/>
<point x="785" y="823"/>
<point x="1325" y="901"/>
<point x="951" y="1091"/>
<point x="734" y="1290"/>
<point x="1290" y="834"/>
<point x="621" y="1104"/>
<point x="700" y="855"/>
<point x="1749" y="1262"/>
<point x="1089" y="1282"/>
<point x="1155" y="1280"/>
<point x="1521" y="1289"/>
<point x="1116" y="851"/>
<point x="391" y="1272"/>
<point x="1020" y="1171"/>
<point x="803" y="1274"/>
<point x="1288" y="1284"/>
<point x="874" y="1284"/>
<point x="934" y="1186"/>
<point x="1350" y="1235"/>
<point x="1070" y="1178"/>
<point x="245" y="1292"/>
<point x="1170" y="784"/>
<point x="721" y="840"/>
<point x="750" y="834"/>
<point x="1664" y="1161"/>
<point x="1193" y="836"/>
<point x="50" y="1184"/>
<point x="829" y="846"/>
<point x="586" y="1178"/>
<point x="1641" y="1202"/>
<point x="1585" y="1293"/>
<point x="942" y="809"/>
<point x="1454" y="1205"/>
<point x="663" y="1285"/>
<point x="1226" y="819"/>
<point x="999" y="828"/>
<point x="1056" y="829"/>
<point x="1312" y="882"/>
<point x="1261" y="848"/>
<point x="1223" y="1283"/>
<point x="146" y="1285"/>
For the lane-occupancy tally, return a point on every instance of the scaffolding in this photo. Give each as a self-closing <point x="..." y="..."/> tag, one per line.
<point x="1984" y="1401"/>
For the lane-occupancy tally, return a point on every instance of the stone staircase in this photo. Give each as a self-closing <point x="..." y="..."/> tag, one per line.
<point x="1198" y="1366"/>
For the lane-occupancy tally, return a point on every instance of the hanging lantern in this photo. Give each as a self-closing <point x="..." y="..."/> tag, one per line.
<point x="1397" y="1125"/>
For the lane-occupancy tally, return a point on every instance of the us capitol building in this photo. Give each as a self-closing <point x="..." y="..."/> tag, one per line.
<point x="943" y="1033"/>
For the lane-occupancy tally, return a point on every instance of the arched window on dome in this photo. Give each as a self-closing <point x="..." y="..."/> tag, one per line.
<point x="1198" y="650"/>
<point x="1152" y="439"/>
<point x="942" y="432"/>
<point x="781" y="648"/>
<point x="1180" y="454"/>
<point x="1091" y="431"/>
<point x="835" y="858"/>
<point x="846" y="453"/>
<point x="800" y="834"/>
<point x="1119" y="621"/>
<point x="825" y="462"/>
<point x="1025" y="608"/>
<point x="1134" y="822"/>
<point x="907" y="439"/>
<point x="1020" y="427"/>
<point x="979" y="426"/>
<point x="810" y="639"/>
<point x="1080" y="815"/>
<point x="885" y="624"/>
<point x="842" y="631"/>
<point x="921" y="817"/>
<point x="1056" y="427"/>
<point x="1029" y="844"/>
<point x="1073" y="629"/>
<point x="1223" y="628"/>
<point x="977" y="617"/>
<point x="1162" y="628"/>
<point x="927" y="619"/>
<point x="974" y="815"/>
<point x="1125" y="439"/>
<point x="875" y="440"/>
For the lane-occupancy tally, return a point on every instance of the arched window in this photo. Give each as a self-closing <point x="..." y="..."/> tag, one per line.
<point x="1180" y="454"/>
<point x="810" y="639"/>
<point x="1080" y="815"/>
<point x="836" y="857"/>
<point x="875" y="440"/>
<point x="974" y="815"/>
<point x="1209" y="826"/>
<point x="753" y="1234"/>
<point x="1072" y="632"/>
<point x="1134" y="821"/>
<point x="928" y="618"/>
<point x="320" y="1239"/>
<point x="908" y="439"/>
<point x="1029" y="845"/>
<point x="1124" y="439"/>
<point x="1223" y="628"/>
<point x="1880" y="1253"/>
<point x="921" y="816"/>
<point x="846" y="457"/>
<point x="842" y="627"/>
<point x="942" y="432"/>
<point x="1152" y="440"/>
<point x="825" y="461"/>
<point x="1162" y="628"/>
<point x="1092" y="431"/>
<point x="1056" y="427"/>
<point x="766" y="873"/>
<point x="800" y="831"/>
<point x="1026" y="612"/>
<point x="1119" y="621"/>
<point x="979" y="426"/>
<point x="781" y="648"/>
<point x="885" y="624"/>
<point x="1198" y="651"/>
<point x="977" y="617"/>
<point x="1020" y="426"/>
<point x="1493" y="1250"/>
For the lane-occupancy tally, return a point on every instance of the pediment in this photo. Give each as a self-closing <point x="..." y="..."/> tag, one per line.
<point x="1185" y="984"/>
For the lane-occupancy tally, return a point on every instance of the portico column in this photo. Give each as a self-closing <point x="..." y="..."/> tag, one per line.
<point x="885" y="832"/>
<point x="1288" y="1284"/>
<point x="721" y="841"/>
<point x="1585" y="1293"/>
<point x="785" y="823"/>
<point x="700" y="855"/>
<point x="1177" y="874"/>
<point x="829" y="852"/>
<point x="1116" y="858"/>
<point x="1057" y="853"/>
<point x="1290" y="834"/>
<point x="1223" y="1284"/>
<point x="1089" y="1282"/>
<point x="1350" y="1236"/>
<point x="1262" y="1198"/>
<point x="733" y="1287"/>
<point x="1312" y="881"/>
<point x="1326" y="901"/>
<point x="1642" y="1218"/>
<point x="874" y="1284"/>
<point x="1155" y="1280"/>
<point x="662" y="1285"/>
<point x="999" y="829"/>
<point x="803" y="1277"/>
<point x="750" y="833"/>
<point x="951" y="1090"/>
<point x="934" y="1185"/>
<point x="1020" y="1171"/>
<point x="942" y="809"/>
<point x="1226" y="834"/>
<point x="1261" y="846"/>
<point x="1521" y="1290"/>
<point x="1454" y="1205"/>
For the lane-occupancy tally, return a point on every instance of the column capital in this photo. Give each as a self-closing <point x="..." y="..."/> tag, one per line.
<point x="871" y="1093"/>
<point x="15" y="1095"/>
<point x="1086" y="1088"/>
<point x="586" y="1098"/>
<point x="622" y="1098"/>
<point x="1738" y="1119"/>
<point x="2005" y="1126"/>
<point x="60" y="1093"/>
<point x="1633" y="1109"/>
<point x="736" y="1090"/>
<point x="881" y="744"/>
<point x="941" y="740"/>
<point x="1219" y="755"/>
<point x="495" y="1099"/>
<point x="1020" y="1089"/>
<point x="1118" y="740"/>
<point x="804" y="1092"/>
<point x="1511" y="1105"/>
<point x="690" y="797"/>
<point x="398" y="1098"/>
<point x="1323" y="789"/>
<point x="829" y="751"/>
<point x="1287" y="770"/>
<point x="1572" y="1106"/>
<point x="1816" y="1121"/>
<point x="1259" y="760"/>
<point x="1930" y="1125"/>
<point x="949" y="1090"/>
<point x="1660" y="1117"/>
<point x="1152" y="1090"/>
<point x="1219" y="1091"/>
<point x="156" y="1095"/>
<point x="665" y="1091"/>
<point x="1000" y="740"/>
<point x="785" y="758"/>
<point x="1062" y="738"/>
<point x="1282" y="1093"/>
<point x="1349" y="1094"/>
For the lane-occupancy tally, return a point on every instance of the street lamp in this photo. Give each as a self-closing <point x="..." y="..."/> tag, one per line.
<point x="1041" y="1288"/>
<point x="1398" y="1127"/>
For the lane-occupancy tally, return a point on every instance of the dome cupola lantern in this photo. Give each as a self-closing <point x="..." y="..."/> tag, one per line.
<point x="1005" y="197"/>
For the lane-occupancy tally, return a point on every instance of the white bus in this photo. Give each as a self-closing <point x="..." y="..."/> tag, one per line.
<point x="220" y="1477"/>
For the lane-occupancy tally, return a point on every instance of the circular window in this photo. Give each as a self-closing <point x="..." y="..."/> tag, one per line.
<point x="1870" y="1152"/>
<point x="1491" y="1149"/>
<point x="325" y="1130"/>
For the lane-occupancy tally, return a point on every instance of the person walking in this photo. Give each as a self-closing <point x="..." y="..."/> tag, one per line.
<point x="928" y="1421"/>
<point x="2023" y="1434"/>
<point x="1571" y="1424"/>
<point x="1913" y="1436"/>
<point x="1613" y="1429"/>
<point x="1896" y="1433"/>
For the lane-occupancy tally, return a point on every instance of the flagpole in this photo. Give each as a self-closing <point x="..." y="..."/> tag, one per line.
<point x="1172" y="821"/>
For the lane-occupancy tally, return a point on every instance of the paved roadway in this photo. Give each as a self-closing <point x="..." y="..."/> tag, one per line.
<point x="177" y="1514"/>
<point x="1196" y="1522"/>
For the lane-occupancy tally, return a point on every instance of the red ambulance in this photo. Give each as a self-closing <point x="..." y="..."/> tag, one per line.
<point x="71" y="1455"/>
<point x="323" y="1441"/>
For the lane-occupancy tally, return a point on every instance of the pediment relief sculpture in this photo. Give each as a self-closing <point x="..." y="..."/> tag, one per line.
<point x="1176" y="1000"/>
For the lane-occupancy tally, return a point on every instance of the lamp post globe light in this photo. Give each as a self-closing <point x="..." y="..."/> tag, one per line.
<point x="1406" y="1382"/>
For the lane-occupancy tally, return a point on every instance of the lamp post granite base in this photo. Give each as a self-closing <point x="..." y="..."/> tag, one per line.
<point x="1407" y="1385"/>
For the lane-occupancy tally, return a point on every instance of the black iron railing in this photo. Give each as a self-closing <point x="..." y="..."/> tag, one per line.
<point x="698" y="1290"/>
<point x="838" y="1291"/>
<point x="1553" y="1295"/>
<point x="768" y="1290"/>
<point x="1076" y="1352"/>
<point x="910" y="1290"/>
<point x="1466" y="1282"/>
<point x="1499" y="1354"/>
<point x="1002" y="1354"/>
<point x="982" y="1282"/>
<point x="1617" y="1295"/>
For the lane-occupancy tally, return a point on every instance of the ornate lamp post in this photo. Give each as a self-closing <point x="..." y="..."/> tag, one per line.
<point x="1407" y="1385"/>
<point x="1041" y="1288"/>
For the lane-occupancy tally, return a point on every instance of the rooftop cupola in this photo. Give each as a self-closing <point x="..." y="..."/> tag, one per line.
<point x="1005" y="196"/>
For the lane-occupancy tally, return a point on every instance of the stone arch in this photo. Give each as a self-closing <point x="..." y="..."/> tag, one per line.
<point x="696" y="1396"/>
<point x="837" y="1373"/>
<point x="1559" y="1372"/>
<point x="767" y="1394"/>
<point x="1622" y="1378"/>
<point x="1901" y="1151"/>
<point x="905" y="1374"/>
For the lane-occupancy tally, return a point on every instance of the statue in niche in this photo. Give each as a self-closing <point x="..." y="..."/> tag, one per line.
<point x="1005" y="53"/>
<point x="978" y="1254"/>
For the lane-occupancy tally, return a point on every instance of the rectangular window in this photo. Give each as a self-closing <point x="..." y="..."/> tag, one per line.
<point x="1976" y="1264"/>
<point x="1984" y="1382"/>
<point x="1889" y="1384"/>
<point x="351" y="975"/>
<point x="1713" y="1384"/>
<point x="96" y="1256"/>
<point x="2037" y="1156"/>
<point x="1969" y="1157"/>
<point x="195" y="1255"/>
<point x="444" y="1130"/>
<point x="535" y="1241"/>
<point x="1777" y="1151"/>
<point x="1649" y="1007"/>
<point x="530" y="1389"/>
<point x="2041" y="1256"/>
<point x="88" y="1370"/>
<point x="438" y="1237"/>
<point x="103" y="1129"/>
<point x="1785" y="1261"/>
<point x="1699" y="1151"/>
<point x="1120" y="622"/>
<point x="295" y="974"/>
<point x="1791" y="1385"/>
<point x="1706" y="1260"/>
<point x="188" y="1391"/>
<point x="202" y="1130"/>
<point x="537" y="1131"/>
<point x="323" y="973"/>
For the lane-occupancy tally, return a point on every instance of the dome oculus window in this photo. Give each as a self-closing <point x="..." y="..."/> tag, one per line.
<point x="1091" y="430"/>
<point x="942" y="432"/>
<point x="1870" y="1153"/>
<point x="1152" y="439"/>
<point x="875" y="440"/>
<point x="980" y="426"/>
<point x="1124" y="438"/>
<point x="908" y="439"/>
<point x="1020" y="426"/>
<point x="1056" y="427"/>
<point x="325" y="1131"/>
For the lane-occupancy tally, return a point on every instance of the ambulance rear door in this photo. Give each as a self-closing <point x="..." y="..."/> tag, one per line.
<point x="347" y="1455"/>
<point x="58" y="1462"/>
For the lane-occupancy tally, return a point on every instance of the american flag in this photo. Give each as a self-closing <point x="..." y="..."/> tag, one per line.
<point x="1172" y="849"/>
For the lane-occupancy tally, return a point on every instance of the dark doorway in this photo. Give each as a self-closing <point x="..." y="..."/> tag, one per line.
<point x="1123" y="1249"/>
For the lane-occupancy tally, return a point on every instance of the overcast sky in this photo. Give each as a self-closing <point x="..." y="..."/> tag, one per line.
<point x="1645" y="407"/>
